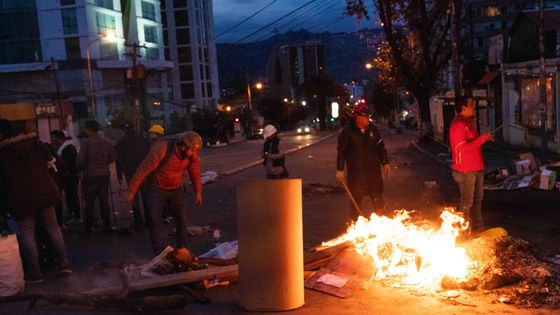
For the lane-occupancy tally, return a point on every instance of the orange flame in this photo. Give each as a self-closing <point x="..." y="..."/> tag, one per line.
<point x="418" y="255"/>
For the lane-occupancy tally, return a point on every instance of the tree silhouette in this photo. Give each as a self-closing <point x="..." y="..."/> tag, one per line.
<point x="418" y="34"/>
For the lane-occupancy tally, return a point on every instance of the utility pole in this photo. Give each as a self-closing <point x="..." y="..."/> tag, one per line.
<point x="54" y="68"/>
<point x="137" y="86"/>
<point x="542" y="79"/>
<point x="457" y="80"/>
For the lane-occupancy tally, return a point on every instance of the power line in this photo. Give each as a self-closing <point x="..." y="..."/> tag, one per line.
<point x="295" y="18"/>
<point x="245" y="20"/>
<point x="278" y="19"/>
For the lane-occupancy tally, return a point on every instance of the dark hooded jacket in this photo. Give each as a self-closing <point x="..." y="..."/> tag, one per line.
<point x="26" y="186"/>
<point x="363" y="154"/>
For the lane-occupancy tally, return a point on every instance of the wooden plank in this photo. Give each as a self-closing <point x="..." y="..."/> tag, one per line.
<point x="172" y="279"/>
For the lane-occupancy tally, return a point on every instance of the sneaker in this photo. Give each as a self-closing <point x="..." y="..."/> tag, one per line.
<point x="66" y="270"/>
<point x="33" y="279"/>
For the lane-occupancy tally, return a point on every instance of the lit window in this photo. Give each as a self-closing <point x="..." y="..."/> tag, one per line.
<point x="105" y="23"/>
<point x="493" y="11"/>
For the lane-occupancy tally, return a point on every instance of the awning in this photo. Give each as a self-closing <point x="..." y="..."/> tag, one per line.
<point x="488" y="77"/>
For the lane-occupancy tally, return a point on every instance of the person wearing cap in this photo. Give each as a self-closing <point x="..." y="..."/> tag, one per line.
<point x="362" y="151"/>
<point x="131" y="150"/>
<point x="66" y="150"/>
<point x="155" y="133"/>
<point x="94" y="158"/>
<point x="163" y="171"/>
<point x="273" y="154"/>
<point x="28" y="193"/>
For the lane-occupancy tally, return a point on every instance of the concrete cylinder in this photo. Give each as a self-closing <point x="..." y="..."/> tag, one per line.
<point x="270" y="235"/>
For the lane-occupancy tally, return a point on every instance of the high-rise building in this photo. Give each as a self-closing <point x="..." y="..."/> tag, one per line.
<point x="188" y="28"/>
<point x="291" y="65"/>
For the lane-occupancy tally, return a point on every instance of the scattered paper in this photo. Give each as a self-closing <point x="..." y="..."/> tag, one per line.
<point x="226" y="250"/>
<point x="333" y="280"/>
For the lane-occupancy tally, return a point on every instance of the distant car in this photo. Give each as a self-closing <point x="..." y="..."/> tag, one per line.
<point x="304" y="130"/>
<point x="254" y="133"/>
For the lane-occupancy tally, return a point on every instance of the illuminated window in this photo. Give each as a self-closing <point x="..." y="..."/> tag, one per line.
<point x="493" y="11"/>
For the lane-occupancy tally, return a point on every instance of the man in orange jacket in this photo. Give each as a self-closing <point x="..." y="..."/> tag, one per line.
<point x="468" y="164"/>
<point x="164" y="169"/>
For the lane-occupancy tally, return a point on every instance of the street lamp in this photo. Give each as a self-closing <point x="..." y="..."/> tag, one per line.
<point x="111" y="37"/>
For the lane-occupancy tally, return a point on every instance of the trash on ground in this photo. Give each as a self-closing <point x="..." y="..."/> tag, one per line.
<point x="208" y="177"/>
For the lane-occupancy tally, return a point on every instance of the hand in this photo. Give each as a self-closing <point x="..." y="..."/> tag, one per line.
<point x="488" y="136"/>
<point x="130" y="198"/>
<point x="198" y="199"/>
<point x="340" y="175"/>
<point x="386" y="170"/>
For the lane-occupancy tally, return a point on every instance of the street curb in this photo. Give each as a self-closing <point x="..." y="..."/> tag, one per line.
<point x="259" y="161"/>
<point x="433" y="156"/>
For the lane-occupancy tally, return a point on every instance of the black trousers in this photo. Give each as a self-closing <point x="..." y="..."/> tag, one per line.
<point x="71" y="196"/>
<point x="97" y="186"/>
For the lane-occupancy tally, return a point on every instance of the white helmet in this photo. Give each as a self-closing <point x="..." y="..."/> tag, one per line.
<point x="269" y="130"/>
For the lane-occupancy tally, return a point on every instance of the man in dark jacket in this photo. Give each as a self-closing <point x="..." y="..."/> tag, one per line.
<point x="94" y="158"/>
<point x="28" y="193"/>
<point x="362" y="150"/>
<point x="131" y="151"/>
<point x="66" y="150"/>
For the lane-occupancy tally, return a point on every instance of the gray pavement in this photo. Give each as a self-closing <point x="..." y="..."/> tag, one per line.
<point x="530" y="214"/>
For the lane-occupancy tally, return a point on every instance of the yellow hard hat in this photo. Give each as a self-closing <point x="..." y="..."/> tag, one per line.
<point x="157" y="129"/>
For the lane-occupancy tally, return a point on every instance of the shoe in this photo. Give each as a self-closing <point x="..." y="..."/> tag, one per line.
<point x="33" y="279"/>
<point x="66" y="270"/>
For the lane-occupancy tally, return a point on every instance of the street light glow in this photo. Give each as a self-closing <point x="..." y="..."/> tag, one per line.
<point x="369" y="65"/>
<point x="303" y="103"/>
<point x="110" y="36"/>
<point x="259" y="86"/>
<point x="228" y="108"/>
<point x="334" y="109"/>
<point x="285" y="100"/>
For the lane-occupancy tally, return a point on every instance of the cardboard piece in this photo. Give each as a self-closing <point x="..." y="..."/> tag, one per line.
<point x="523" y="167"/>
<point x="349" y="265"/>
<point x="547" y="180"/>
<point x="529" y="156"/>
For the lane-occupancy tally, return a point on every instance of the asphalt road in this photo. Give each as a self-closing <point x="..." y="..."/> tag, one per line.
<point x="324" y="216"/>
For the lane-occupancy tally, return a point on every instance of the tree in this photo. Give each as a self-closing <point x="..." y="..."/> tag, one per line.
<point x="317" y="89"/>
<point x="418" y="33"/>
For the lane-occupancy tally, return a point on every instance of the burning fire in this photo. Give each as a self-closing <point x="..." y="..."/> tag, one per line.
<point x="418" y="255"/>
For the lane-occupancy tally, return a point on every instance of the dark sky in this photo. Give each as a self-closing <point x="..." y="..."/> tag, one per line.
<point x="319" y="16"/>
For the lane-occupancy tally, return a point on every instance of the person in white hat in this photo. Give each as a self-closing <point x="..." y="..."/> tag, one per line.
<point x="273" y="154"/>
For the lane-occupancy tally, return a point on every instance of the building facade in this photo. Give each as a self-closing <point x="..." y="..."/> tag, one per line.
<point x="488" y="21"/>
<point x="291" y="65"/>
<point x="188" y="28"/>
<point x="104" y="55"/>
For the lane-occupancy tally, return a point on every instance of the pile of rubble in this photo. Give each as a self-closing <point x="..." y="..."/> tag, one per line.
<point x="514" y="270"/>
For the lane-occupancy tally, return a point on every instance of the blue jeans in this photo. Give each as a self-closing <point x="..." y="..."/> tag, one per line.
<point x="471" y="188"/>
<point x="28" y="246"/>
<point x="156" y="199"/>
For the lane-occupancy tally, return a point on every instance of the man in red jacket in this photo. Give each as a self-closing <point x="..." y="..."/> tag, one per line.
<point x="468" y="164"/>
<point x="163" y="170"/>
